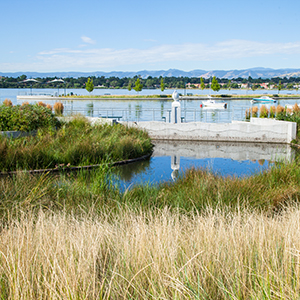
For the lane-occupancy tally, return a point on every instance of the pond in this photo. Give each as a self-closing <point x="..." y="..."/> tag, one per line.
<point x="172" y="159"/>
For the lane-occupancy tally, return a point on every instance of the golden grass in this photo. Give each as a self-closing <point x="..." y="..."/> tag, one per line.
<point x="296" y="108"/>
<point x="279" y="109"/>
<point x="49" y="106"/>
<point x="41" y="103"/>
<point x="7" y="102"/>
<point x="263" y="111"/>
<point x="161" y="255"/>
<point x="58" y="108"/>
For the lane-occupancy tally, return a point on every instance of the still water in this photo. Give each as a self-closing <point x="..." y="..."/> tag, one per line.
<point x="145" y="110"/>
<point x="171" y="159"/>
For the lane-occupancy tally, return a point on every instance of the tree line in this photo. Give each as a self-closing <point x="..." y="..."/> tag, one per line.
<point x="148" y="83"/>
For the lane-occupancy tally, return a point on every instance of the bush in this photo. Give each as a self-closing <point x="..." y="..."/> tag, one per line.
<point x="26" y="118"/>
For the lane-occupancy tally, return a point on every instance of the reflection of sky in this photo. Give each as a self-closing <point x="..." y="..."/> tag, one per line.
<point x="160" y="170"/>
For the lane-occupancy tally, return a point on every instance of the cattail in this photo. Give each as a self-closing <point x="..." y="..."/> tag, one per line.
<point x="7" y="102"/>
<point x="263" y="111"/>
<point x="58" y="108"/>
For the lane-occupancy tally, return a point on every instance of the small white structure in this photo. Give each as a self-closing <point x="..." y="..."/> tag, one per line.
<point x="175" y="166"/>
<point x="176" y="109"/>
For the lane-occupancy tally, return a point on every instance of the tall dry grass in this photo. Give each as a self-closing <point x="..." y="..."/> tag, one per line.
<point x="161" y="255"/>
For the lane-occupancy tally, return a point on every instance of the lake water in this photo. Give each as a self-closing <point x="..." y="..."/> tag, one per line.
<point x="170" y="159"/>
<point x="146" y="110"/>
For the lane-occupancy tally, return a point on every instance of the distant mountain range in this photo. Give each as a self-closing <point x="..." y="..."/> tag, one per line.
<point x="253" y="72"/>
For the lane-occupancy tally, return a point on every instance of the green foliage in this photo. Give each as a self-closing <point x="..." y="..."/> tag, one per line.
<point x="138" y="85"/>
<point x="75" y="143"/>
<point x="162" y="85"/>
<point x="26" y="118"/>
<point x="215" y="84"/>
<point x="129" y="86"/>
<point x="89" y="86"/>
<point x="279" y="86"/>
<point x="202" y="84"/>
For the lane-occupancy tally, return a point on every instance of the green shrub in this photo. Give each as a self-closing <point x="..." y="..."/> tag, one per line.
<point x="26" y="118"/>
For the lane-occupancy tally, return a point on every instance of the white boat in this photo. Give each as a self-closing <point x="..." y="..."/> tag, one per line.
<point x="213" y="104"/>
<point x="263" y="99"/>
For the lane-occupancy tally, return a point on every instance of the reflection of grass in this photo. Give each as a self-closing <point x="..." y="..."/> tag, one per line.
<point x="126" y="172"/>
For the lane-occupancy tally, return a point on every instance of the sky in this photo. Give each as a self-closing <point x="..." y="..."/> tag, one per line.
<point x="130" y="35"/>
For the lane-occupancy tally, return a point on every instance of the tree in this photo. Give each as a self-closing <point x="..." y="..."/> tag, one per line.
<point x="229" y="84"/>
<point x="279" y="86"/>
<point x="138" y="86"/>
<point x="162" y="85"/>
<point x="129" y="88"/>
<point x="202" y="84"/>
<point x="89" y="86"/>
<point x="215" y="84"/>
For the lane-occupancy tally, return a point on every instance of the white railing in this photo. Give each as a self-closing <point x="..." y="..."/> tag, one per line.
<point x="187" y="115"/>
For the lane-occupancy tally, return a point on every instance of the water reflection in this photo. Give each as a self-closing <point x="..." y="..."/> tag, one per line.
<point x="170" y="159"/>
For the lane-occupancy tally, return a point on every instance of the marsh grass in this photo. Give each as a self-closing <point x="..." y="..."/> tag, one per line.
<point x="194" y="191"/>
<point x="146" y="255"/>
<point x="76" y="143"/>
<point x="58" y="108"/>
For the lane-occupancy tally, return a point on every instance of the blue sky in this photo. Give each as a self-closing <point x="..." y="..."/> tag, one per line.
<point x="129" y="35"/>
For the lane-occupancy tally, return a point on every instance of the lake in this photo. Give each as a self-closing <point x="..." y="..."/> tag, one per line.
<point x="171" y="159"/>
<point x="146" y="110"/>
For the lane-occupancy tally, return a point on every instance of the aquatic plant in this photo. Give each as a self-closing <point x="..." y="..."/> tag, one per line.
<point x="263" y="112"/>
<point x="272" y="111"/>
<point x="58" y="108"/>
<point x="7" y="102"/>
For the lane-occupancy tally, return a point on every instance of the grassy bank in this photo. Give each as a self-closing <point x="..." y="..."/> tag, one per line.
<point x="138" y="255"/>
<point x="75" y="236"/>
<point x="75" y="143"/>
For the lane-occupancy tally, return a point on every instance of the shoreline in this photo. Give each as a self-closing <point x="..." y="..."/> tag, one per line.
<point x="165" y="98"/>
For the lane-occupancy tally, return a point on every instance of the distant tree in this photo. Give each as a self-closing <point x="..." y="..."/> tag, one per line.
<point x="215" y="84"/>
<point x="162" y="85"/>
<point x="279" y="86"/>
<point x="129" y="88"/>
<point x="202" y="84"/>
<point x="229" y="85"/>
<point x="138" y="85"/>
<point x="89" y="86"/>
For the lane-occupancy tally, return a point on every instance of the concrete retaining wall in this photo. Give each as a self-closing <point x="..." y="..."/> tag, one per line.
<point x="257" y="130"/>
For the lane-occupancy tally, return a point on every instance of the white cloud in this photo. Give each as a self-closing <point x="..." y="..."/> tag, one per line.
<point x="108" y="58"/>
<point x="87" y="40"/>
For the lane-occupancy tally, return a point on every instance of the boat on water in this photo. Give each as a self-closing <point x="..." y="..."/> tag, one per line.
<point x="263" y="99"/>
<point x="214" y="104"/>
